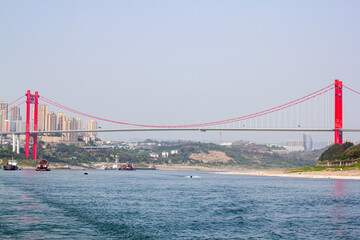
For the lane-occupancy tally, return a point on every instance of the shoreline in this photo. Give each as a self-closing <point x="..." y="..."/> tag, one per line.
<point x="195" y="168"/>
<point x="352" y="174"/>
<point x="325" y="174"/>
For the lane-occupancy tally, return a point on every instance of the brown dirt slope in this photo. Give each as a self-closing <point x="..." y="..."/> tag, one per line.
<point x="212" y="156"/>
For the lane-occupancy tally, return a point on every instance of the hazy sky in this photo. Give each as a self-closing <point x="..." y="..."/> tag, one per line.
<point x="179" y="62"/>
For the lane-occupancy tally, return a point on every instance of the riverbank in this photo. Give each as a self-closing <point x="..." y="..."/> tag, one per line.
<point x="352" y="174"/>
<point x="199" y="168"/>
<point x="330" y="173"/>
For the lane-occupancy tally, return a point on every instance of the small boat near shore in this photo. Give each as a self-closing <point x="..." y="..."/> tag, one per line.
<point x="43" y="165"/>
<point x="114" y="167"/>
<point x="127" y="167"/>
<point x="11" y="165"/>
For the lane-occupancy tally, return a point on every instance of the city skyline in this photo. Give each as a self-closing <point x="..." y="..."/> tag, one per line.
<point x="11" y="121"/>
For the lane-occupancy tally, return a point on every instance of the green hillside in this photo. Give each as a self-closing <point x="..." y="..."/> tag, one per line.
<point x="346" y="151"/>
<point x="240" y="154"/>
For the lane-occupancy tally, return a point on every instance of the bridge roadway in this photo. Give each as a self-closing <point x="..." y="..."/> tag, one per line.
<point x="187" y="129"/>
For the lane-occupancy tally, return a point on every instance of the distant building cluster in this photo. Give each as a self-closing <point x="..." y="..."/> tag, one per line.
<point x="226" y="144"/>
<point x="50" y="121"/>
<point x="164" y="154"/>
<point x="295" y="145"/>
<point x="11" y="121"/>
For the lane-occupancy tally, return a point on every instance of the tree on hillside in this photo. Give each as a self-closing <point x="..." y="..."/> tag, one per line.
<point x="335" y="152"/>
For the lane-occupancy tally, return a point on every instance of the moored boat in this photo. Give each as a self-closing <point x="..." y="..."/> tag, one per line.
<point x="114" y="167"/>
<point x="11" y="165"/>
<point x="128" y="167"/>
<point x="43" y="165"/>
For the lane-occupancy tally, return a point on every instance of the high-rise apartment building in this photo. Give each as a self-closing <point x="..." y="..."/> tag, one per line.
<point x="61" y="119"/>
<point x="80" y="123"/>
<point x="3" y="115"/>
<point x="15" y="114"/>
<point x="293" y="143"/>
<point x="4" y="106"/>
<point x="91" y="125"/>
<point x="308" y="143"/>
<point x="2" y="120"/>
<point x="20" y="126"/>
<point x="50" y="121"/>
<point x="17" y="126"/>
<point x="42" y="115"/>
<point x="71" y="124"/>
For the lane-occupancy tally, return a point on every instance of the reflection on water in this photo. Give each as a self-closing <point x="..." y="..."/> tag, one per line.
<point x="29" y="219"/>
<point x="338" y="206"/>
<point x="339" y="188"/>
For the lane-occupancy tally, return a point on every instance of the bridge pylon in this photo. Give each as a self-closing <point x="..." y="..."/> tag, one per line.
<point x="31" y="99"/>
<point x="338" y="112"/>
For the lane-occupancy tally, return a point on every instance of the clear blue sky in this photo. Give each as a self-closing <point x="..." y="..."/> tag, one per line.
<point x="178" y="62"/>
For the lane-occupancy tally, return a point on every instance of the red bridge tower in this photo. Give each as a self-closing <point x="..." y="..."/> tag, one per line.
<point x="338" y="113"/>
<point x="31" y="99"/>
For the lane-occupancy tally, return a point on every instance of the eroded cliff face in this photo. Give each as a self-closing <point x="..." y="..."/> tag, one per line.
<point x="212" y="156"/>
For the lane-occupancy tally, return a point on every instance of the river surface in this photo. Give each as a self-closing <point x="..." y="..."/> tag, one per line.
<point x="66" y="204"/>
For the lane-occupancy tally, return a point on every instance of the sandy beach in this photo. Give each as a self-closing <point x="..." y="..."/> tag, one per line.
<point x="352" y="174"/>
<point x="200" y="168"/>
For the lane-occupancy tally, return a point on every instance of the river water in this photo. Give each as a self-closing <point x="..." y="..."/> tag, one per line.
<point x="66" y="204"/>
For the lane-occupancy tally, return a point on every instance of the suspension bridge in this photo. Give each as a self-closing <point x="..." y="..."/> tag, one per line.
<point x="319" y="111"/>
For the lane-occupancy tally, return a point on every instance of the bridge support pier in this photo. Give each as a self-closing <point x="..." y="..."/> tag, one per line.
<point x="14" y="143"/>
<point x="338" y="113"/>
<point x="18" y="144"/>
